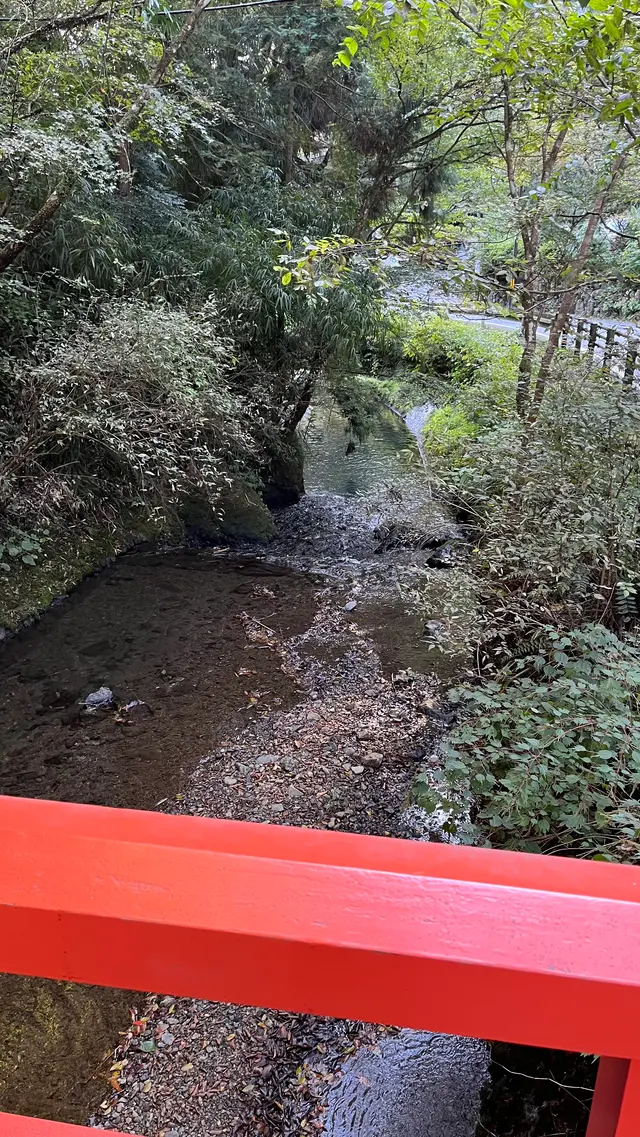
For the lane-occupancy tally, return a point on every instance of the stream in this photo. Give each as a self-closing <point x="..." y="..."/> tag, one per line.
<point x="294" y="683"/>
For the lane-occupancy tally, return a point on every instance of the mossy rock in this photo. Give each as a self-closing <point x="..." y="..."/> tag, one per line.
<point x="240" y="514"/>
<point x="67" y="557"/>
<point x="284" y="477"/>
<point x="56" y="1042"/>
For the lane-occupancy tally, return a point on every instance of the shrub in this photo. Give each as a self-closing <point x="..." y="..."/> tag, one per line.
<point x="448" y="430"/>
<point x="134" y="411"/>
<point x="558" y="519"/>
<point x="550" y="749"/>
<point x="463" y="352"/>
<point x="386" y="349"/>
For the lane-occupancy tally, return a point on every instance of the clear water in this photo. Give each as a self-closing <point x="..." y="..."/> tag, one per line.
<point x="388" y="457"/>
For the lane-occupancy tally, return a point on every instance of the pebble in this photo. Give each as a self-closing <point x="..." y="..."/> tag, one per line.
<point x="350" y="605"/>
<point x="357" y="769"/>
<point x="373" y="758"/>
<point x="167" y="1038"/>
<point x="266" y="759"/>
<point x="294" y="792"/>
<point x="277" y="807"/>
<point x="103" y="697"/>
<point x="230" y="781"/>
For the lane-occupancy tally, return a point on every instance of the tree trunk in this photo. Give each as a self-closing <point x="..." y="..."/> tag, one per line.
<point x="523" y="387"/>
<point x="169" y="55"/>
<point x="124" y="166"/>
<point x="568" y="302"/>
<point x="13" y="249"/>
<point x="289" y="145"/>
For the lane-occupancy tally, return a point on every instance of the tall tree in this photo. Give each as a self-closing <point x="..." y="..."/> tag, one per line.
<point x="536" y="73"/>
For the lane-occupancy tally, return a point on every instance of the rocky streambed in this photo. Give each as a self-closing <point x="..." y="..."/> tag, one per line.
<point x="297" y="685"/>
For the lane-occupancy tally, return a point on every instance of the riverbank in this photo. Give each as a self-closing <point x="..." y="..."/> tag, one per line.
<point x="295" y="684"/>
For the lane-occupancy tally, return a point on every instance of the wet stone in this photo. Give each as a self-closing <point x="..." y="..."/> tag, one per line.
<point x="415" y="1084"/>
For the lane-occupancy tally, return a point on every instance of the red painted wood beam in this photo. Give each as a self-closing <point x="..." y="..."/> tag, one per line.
<point x="493" y="945"/>
<point x="629" y="1119"/>
<point x="13" y="1126"/>
<point x="607" y="1099"/>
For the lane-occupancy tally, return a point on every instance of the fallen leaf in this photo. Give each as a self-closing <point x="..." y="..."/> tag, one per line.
<point x="147" y="1086"/>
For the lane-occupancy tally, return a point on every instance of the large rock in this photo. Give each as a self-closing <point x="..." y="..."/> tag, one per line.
<point x="415" y="1084"/>
<point x="240" y="514"/>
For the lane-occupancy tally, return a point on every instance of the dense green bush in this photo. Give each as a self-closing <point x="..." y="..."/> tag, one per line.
<point x="462" y="352"/>
<point x="557" y="518"/>
<point x="555" y="507"/>
<point x="134" y="411"/>
<point x="550" y="749"/>
<point x="547" y="752"/>
<point x="448" y="431"/>
<point x="386" y="350"/>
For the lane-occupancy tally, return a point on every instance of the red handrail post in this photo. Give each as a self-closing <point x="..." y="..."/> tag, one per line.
<point x="608" y="1096"/>
<point x="629" y="1119"/>
<point x="615" y="1110"/>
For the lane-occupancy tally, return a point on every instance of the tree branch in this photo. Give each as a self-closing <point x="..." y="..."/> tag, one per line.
<point x="97" y="12"/>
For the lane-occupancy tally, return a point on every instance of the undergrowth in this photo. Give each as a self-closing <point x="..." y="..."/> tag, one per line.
<point x="547" y="750"/>
<point x="134" y="411"/>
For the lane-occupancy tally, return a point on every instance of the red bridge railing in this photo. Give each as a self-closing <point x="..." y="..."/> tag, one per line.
<point x="505" y="946"/>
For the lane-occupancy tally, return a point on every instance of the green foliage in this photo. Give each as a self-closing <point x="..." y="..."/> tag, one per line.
<point x="148" y="347"/>
<point x="136" y="411"/>
<point x="461" y="352"/>
<point x="558" y="519"/>
<point x="360" y="400"/>
<point x="387" y="349"/>
<point x="550" y="749"/>
<point x="18" y="547"/>
<point x="448" y="430"/>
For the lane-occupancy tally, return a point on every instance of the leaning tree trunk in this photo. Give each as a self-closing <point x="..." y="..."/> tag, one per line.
<point x="568" y="302"/>
<point x="13" y="249"/>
